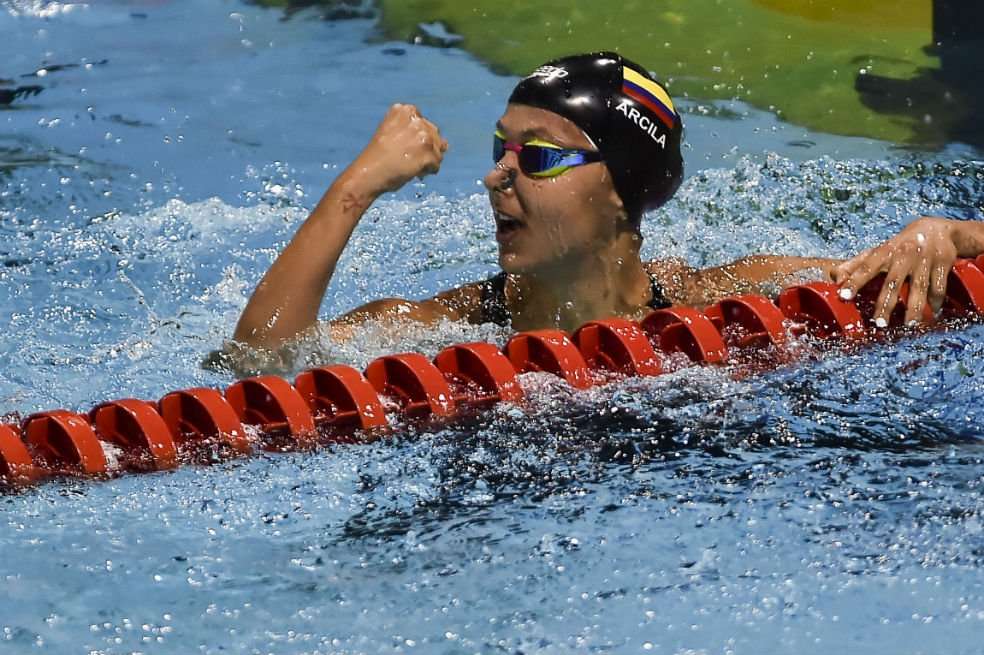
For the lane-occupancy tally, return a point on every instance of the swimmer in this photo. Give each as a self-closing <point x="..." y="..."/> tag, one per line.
<point x="587" y="145"/>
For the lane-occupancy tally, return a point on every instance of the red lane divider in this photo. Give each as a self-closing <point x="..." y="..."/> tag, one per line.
<point x="550" y="351"/>
<point x="202" y="421"/>
<point x="331" y="403"/>
<point x="64" y="443"/>
<point x="751" y="321"/>
<point x="136" y="428"/>
<point x="964" y="290"/>
<point x="479" y="374"/>
<point x="819" y="309"/>
<point x="689" y="331"/>
<point x="341" y="400"/>
<point x="16" y="464"/>
<point x="275" y="407"/>
<point x="414" y="383"/>
<point x="617" y="345"/>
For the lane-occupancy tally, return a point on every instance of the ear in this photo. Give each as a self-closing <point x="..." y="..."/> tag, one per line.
<point x="622" y="219"/>
<point x="614" y="200"/>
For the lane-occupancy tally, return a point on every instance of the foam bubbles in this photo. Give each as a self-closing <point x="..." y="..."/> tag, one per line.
<point x="831" y="496"/>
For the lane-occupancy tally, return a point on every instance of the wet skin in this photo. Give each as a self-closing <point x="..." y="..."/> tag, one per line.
<point x="571" y="252"/>
<point x="545" y="224"/>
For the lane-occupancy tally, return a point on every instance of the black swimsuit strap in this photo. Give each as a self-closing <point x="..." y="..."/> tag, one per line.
<point x="494" y="306"/>
<point x="495" y="309"/>
<point x="659" y="299"/>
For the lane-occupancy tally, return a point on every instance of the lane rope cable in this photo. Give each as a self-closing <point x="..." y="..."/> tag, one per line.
<point x="338" y="404"/>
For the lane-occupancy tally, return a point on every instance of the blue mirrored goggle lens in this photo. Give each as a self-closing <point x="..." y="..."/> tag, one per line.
<point x="542" y="160"/>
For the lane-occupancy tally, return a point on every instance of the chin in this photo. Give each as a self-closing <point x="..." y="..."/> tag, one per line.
<point x="510" y="262"/>
<point x="516" y="263"/>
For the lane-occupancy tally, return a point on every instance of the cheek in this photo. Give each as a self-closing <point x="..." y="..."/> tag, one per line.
<point x="571" y="209"/>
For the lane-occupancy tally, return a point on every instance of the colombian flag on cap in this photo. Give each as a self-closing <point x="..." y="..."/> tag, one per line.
<point x="649" y="94"/>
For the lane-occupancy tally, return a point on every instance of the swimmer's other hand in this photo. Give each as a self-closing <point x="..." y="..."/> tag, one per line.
<point x="923" y="253"/>
<point x="406" y="145"/>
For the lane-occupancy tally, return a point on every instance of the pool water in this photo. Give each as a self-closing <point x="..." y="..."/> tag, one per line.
<point x="174" y="148"/>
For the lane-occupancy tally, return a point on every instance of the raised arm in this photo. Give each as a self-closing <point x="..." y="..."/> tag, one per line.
<point x="286" y="301"/>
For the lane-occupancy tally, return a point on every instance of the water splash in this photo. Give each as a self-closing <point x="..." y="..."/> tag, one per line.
<point x="830" y="506"/>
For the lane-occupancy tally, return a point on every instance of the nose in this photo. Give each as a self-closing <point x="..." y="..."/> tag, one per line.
<point x="502" y="176"/>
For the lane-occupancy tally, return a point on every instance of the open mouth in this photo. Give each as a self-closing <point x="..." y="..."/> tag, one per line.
<point x="506" y="225"/>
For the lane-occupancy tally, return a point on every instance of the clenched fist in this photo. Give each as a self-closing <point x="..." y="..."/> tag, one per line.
<point x="406" y="145"/>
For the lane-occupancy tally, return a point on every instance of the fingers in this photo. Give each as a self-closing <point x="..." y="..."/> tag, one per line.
<point x="406" y="145"/>
<point x="437" y="142"/>
<point x="923" y="252"/>
<point x="843" y="271"/>
<point x="432" y="144"/>
<point x="409" y="115"/>
<point x="438" y="146"/>
<point x="857" y="272"/>
<point x="432" y="155"/>
<point x="918" y="290"/>
<point x="429" y="134"/>
<point x="888" y="297"/>
<point x="429" y="169"/>
<point x="401" y="112"/>
<point x="937" y="286"/>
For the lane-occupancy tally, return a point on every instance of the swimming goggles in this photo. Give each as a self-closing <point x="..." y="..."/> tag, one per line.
<point x="541" y="158"/>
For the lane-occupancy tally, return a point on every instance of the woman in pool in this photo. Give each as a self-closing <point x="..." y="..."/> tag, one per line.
<point x="587" y="144"/>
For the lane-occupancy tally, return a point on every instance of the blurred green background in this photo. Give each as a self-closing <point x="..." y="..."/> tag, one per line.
<point x="861" y="68"/>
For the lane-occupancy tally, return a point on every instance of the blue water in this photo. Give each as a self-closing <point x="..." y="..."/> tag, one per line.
<point x="829" y="507"/>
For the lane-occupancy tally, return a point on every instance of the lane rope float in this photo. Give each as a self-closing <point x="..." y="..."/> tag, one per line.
<point x="339" y="404"/>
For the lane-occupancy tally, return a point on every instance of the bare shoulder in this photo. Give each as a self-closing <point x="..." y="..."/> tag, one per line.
<point x="462" y="303"/>
<point x="674" y="275"/>
<point x="667" y="266"/>
<point x="751" y="274"/>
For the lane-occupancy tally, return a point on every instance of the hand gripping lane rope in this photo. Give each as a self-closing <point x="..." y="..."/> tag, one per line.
<point x="337" y="404"/>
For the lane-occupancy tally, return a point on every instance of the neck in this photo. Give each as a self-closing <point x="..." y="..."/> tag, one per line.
<point x="602" y="284"/>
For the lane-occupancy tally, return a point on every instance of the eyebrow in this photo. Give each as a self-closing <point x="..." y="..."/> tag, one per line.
<point x="536" y="132"/>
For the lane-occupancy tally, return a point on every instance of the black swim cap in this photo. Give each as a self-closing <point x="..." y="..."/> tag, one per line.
<point x="628" y="114"/>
